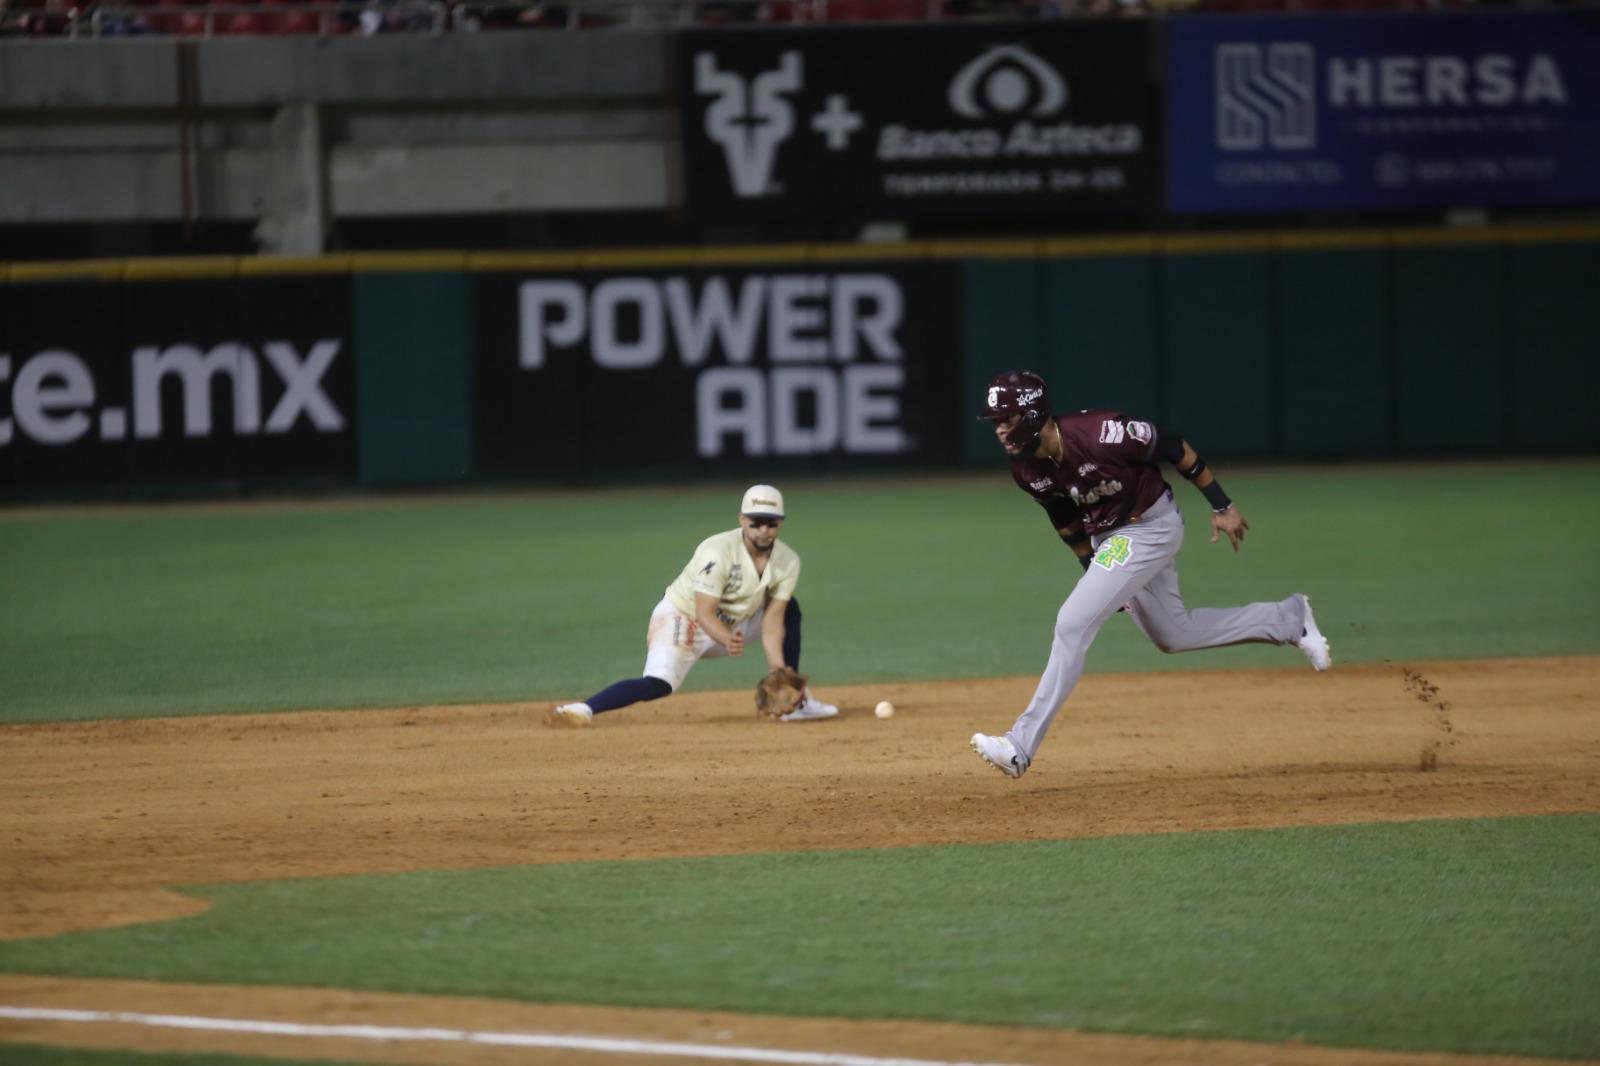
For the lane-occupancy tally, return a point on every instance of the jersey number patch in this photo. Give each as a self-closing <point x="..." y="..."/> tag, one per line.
<point x="1114" y="552"/>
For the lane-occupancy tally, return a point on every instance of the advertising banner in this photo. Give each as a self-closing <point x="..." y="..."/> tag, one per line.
<point x="50" y="364"/>
<point x="176" y="382"/>
<point x="1285" y="113"/>
<point x="899" y="122"/>
<point x="816" y="365"/>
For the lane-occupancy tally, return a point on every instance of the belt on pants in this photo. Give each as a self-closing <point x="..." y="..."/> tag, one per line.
<point x="1163" y="503"/>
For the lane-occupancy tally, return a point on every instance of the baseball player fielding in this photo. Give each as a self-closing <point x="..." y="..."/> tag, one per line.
<point x="737" y="588"/>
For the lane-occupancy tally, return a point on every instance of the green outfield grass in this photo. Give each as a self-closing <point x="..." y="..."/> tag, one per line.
<point x="184" y="610"/>
<point x="1425" y="935"/>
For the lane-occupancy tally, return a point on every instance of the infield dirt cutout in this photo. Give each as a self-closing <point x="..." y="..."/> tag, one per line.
<point x="102" y="817"/>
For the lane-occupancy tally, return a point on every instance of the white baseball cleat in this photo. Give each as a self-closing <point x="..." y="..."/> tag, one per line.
<point x="999" y="753"/>
<point x="1312" y="642"/>
<point x="810" y="708"/>
<point x="569" y="716"/>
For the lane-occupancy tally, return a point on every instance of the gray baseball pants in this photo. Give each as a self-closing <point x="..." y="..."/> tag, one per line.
<point x="1134" y="565"/>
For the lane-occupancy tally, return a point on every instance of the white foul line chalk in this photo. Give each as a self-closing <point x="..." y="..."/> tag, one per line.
<point x="466" y="1036"/>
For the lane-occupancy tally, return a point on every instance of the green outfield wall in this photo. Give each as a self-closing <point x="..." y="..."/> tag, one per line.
<point x="380" y="370"/>
<point x="1337" y="345"/>
<point x="414" y="359"/>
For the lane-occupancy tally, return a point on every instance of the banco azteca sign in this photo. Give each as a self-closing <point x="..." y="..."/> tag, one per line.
<point x="965" y="120"/>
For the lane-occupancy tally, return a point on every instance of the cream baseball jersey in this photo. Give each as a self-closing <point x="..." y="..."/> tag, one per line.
<point x="721" y="566"/>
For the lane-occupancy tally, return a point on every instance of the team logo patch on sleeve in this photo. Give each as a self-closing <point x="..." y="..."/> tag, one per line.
<point x="1114" y="551"/>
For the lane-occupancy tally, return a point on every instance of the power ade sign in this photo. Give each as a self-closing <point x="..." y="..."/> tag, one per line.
<point x="815" y="365"/>
<point x="180" y="382"/>
<point x="1374" y="111"/>
<point x="905" y="122"/>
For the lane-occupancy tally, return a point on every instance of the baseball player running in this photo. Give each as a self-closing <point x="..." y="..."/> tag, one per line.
<point x="738" y="586"/>
<point x="1095" y="474"/>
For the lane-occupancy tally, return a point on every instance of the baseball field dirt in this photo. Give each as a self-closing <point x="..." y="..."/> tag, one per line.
<point x="103" y="817"/>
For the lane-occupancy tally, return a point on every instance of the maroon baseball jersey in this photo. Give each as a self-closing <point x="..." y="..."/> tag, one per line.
<point x="1106" y="474"/>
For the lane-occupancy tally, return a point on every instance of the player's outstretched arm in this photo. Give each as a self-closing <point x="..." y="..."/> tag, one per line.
<point x="1225" y="517"/>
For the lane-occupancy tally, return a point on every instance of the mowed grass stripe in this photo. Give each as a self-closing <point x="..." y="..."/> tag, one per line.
<point x="1466" y="936"/>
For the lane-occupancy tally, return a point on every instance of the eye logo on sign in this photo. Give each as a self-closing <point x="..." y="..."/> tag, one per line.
<point x="1266" y="96"/>
<point x="749" y="118"/>
<point x="1007" y="79"/>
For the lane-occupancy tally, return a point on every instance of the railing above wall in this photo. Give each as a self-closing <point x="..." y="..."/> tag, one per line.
<point x="67" y="18"/>
<point x="367" y="19"/>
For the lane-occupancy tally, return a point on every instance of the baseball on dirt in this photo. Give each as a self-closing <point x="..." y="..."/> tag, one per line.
<point x="884" y="709"/>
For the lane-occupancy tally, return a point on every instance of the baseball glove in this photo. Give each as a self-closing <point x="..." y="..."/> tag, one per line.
<point x="779" y="691"/>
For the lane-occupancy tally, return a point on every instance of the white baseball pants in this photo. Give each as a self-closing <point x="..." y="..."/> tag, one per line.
<point x="676" y="642"/>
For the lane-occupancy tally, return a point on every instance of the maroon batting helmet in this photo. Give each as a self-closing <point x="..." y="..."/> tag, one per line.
<point x="1018" y="392"/>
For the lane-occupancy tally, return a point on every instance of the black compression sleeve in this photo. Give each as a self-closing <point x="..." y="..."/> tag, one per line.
<point x="1168" y="446"/>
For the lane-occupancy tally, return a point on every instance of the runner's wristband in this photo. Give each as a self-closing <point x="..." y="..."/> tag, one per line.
<point x="1215" y="496"/>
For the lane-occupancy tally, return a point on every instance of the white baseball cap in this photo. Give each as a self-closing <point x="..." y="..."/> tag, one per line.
<point x="762" y="501"/>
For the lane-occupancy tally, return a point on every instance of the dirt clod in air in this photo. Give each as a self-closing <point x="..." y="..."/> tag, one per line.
<point x="1444" y="736"/>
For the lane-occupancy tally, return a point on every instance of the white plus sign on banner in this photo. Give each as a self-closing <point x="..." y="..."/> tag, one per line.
<point x="836" y="122"/>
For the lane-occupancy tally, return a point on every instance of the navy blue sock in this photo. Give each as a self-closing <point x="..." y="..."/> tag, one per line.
<point x="791" y="635"/>
<point x="623" y="693"/>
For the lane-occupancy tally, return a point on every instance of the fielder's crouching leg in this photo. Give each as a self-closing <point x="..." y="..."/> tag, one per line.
<point x="791" y="635"/>
<point x="624" y="693"/>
